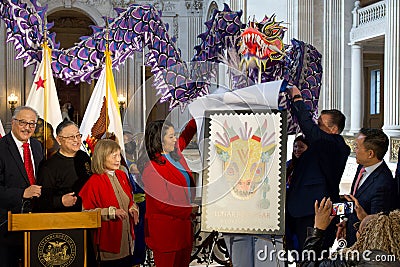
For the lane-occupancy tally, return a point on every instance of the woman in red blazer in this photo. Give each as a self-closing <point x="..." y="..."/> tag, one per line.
<point x="167" y="182"/>
<point x="109" y="190"/>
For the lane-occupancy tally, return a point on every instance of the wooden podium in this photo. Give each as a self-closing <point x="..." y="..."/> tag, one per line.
<point x="55" y="239"/>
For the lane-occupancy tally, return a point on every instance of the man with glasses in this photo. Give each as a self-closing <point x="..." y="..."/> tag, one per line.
<point x="63" y="175"/>
<point x="20" y="156"/>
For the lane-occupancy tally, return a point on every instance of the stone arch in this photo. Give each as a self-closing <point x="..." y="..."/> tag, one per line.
<point x="71" y="23"/>
<point x="89" y="11"/>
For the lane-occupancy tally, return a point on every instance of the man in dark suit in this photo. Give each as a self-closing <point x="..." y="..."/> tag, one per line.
<point x="373" y="185"/>
<point x="319" y="170"/>
<point x="17" y="186"/>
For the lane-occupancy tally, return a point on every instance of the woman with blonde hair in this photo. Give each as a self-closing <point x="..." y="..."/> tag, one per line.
<point x="109" y="190"/>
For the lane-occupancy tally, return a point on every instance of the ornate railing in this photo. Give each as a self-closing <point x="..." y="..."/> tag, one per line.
<point x="209" y="247"/>
<point x="371" y="13"/>
<point x="368" y="22"/>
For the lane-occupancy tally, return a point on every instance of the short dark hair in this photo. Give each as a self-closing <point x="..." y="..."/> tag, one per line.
<point x="63" y="124"/>
<point x="336" y="118"/>
<point x="376" y="140"/>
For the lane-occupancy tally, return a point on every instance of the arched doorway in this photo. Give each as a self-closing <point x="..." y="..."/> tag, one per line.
<point x="69" y="26"/>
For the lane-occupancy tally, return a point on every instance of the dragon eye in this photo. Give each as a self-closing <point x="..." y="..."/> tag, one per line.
<point x="268" y="32"/>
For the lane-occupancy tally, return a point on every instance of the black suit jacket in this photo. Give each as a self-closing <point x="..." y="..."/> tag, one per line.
<point x="13" y="177"/>
<point x="377" y="193"/>
<point x="319" y="169"/>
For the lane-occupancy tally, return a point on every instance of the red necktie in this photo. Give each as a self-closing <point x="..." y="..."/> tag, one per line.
<point x="360" y="175"/>
<point x="28" y="163"/>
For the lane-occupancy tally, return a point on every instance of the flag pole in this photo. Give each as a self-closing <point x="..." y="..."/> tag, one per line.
<point x="107" y="78"/>
<point x="144" y="87"/>
<point x="44" y="55"/>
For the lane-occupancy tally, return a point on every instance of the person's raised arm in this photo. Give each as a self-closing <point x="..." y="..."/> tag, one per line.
<point x="187" y="134"/>
<point x="304" y="117"/>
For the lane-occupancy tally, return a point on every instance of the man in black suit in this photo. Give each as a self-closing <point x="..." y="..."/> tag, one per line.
<point x="373" y="185"/>
<point x="319" y="169"/>
<point x="17" y="187"/>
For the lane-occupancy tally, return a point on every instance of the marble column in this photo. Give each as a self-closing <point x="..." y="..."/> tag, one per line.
<point x="306" y="20"/>
<point x="240" y="5"/>
<point x="15" y="76"/>
<point x="333" y="49"/>
<point x="292" y="15"/>
<point x="3" y="81"/>
<point x="357" y="94"/>
<point x="345" y="80"/>
<point x="133" y="119"/>
<point x="391" y="122"/>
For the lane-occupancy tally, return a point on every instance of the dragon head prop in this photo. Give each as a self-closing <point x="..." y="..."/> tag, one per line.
<point x="262" y="41"/>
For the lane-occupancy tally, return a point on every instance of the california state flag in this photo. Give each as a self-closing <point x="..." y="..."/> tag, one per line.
<point x="2" y="133"/>
<point x="43" y="95"/>
<point x="102" y="117"/>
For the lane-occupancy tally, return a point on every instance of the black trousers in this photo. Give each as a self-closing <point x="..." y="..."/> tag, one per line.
<point x="11" y="247"/>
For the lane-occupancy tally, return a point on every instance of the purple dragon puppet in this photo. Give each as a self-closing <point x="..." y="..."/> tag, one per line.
<point x="258" y="51"/>
<point x="134" y="28"/>
<point x="226" y="40"/>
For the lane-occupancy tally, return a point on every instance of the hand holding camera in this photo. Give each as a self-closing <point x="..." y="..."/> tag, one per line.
<point x="361" y="214"/>
<point x="322" y="213"/>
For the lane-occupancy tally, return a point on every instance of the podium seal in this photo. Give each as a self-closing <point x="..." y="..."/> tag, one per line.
<point x="56" y="249"/>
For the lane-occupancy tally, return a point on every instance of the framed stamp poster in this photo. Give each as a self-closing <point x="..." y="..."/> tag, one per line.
<point x="244" y="171"/>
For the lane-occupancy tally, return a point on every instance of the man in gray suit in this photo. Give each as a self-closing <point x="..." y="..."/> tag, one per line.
<point x="18" y="166"/>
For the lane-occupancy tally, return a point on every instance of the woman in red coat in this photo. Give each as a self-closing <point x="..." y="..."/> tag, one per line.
<point x="108" y="189"/>
<point x="167" y="182"/>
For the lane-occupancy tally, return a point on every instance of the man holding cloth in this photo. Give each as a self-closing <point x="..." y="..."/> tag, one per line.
<point x="318" y="172"/>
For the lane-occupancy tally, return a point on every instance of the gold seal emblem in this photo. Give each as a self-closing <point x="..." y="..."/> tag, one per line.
<point x="57" y="250"/>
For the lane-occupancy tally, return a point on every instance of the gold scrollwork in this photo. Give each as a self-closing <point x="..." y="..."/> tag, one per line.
<point x="350" y="141"/>
<point x="394" y="149"/>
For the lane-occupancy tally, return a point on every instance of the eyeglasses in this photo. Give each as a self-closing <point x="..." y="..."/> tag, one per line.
<point x="24" y="123"/>
<point x="72" y="137"/>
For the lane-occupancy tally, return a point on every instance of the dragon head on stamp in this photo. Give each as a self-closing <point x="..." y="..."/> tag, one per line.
<point x="245" y="158"/>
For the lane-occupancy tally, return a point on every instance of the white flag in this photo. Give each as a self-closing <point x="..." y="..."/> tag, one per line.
<point x="98" y="115"/>
<point x="2" y="133"/>
<point x="43" y="95"/>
